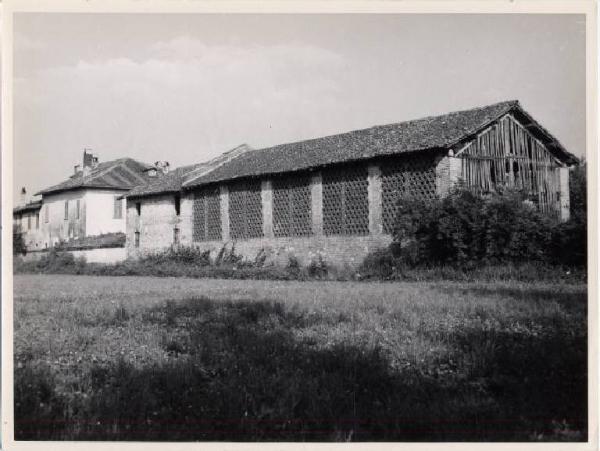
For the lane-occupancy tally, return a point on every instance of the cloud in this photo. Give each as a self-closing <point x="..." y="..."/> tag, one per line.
<point x="186" y="102"/>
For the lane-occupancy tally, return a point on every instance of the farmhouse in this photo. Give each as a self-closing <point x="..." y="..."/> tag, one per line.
<point x="86" y="204"/>
<point x="337" y="195"/>
<point x="26" y="221"/>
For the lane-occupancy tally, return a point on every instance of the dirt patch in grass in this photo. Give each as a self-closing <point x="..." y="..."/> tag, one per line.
<point x="173" y="359"/>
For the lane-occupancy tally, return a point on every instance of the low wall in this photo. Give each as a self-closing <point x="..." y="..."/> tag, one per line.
<point x="337" y="251"/>
<point x="100" y="255"/>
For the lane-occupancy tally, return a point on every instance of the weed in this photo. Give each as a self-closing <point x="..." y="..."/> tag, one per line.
<point x="503" y="361"/>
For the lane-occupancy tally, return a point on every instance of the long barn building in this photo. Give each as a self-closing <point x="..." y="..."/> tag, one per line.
<point x="336" y="196"/>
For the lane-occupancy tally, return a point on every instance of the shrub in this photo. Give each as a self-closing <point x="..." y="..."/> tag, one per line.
<point x="465" y="229"/>
<point x="569" y="240"/>
<point x="19" y="247"/>
<point x="578" y="192"/>
<point x="179" y="254"/>
<point x="59" y="262"/>
<point x="317" y="268"/>
<point x="380" y="264"/>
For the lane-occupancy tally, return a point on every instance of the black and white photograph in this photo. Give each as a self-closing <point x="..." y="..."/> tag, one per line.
<point x="298" y="227"/>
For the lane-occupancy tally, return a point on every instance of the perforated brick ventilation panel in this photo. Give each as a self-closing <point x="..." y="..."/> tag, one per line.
<point x="206" y="215"/>
<point x="245" y="210"/>
<point x="292" y="206"/>
<point x="405" y="176"/>
<point x="346" y="201"/>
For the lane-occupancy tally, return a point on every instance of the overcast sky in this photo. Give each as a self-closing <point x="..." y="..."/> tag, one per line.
<point x="184" y="88"/>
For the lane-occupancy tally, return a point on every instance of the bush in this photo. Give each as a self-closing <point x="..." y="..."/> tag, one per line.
<point x="179" y="254"/>
<point x="569" y="241"/>
<point x="59" y="263"/>
<point x="19" y="247"/>
<point x="380" y="264"/>
<point x="467" y="229"/>
<point x="317" y="268"/>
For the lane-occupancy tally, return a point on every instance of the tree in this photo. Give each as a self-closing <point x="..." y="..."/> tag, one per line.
<point x="19" y="247"/>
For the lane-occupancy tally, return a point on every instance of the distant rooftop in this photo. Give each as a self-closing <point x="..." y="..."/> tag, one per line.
<point x="172" y="181"/>
<point x="121" y="174"/>
<point x="30" y="206"/>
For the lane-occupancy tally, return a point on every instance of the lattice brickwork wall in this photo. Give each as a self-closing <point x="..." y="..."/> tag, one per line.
<point x="292" y="206"/>
<point x="245" y="210"/>
<point x="206" y="215"/>
<point x="345" y="201"/>
<point x="405" y="176"/>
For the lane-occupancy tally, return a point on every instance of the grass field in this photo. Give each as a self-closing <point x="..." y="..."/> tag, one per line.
<point x="142" y="358"/>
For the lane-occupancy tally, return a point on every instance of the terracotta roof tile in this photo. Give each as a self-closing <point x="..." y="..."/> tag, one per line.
<point x="173" y="180"/>
<point x="124" y="173"/>
<point x="435" y="132"/>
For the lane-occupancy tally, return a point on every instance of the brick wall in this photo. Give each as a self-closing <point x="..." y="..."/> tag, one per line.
<point x="158" y="219"/>
<point x="448" y="171"/>
<point x="156" y="223"/>
<point x="336" y="251"/>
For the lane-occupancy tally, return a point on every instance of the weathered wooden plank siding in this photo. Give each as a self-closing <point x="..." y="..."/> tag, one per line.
<point x="505" y="154"/>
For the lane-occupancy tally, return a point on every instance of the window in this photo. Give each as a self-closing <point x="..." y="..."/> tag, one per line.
<point x="118" y="208"/>
<point x="138" y="208"/>
<point x="28" y="222"/>
<point x="176" y="235"/>
<point x="77" y="208"/>
<point x="66" y="209"/>
<point x="37" y="220"/>
<point x="177" y="204"/>
<point x="47" y="215"/>
<point x="137" y="239"/>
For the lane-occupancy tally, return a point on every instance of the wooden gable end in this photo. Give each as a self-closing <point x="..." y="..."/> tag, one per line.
<point x="505" y="154"/>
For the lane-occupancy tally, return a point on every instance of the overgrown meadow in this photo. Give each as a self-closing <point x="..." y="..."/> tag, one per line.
<point x="148" y="358"/>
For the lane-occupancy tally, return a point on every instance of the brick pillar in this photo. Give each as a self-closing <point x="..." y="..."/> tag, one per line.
<point x="316" y="207"/>
<point x="186" y="218"/>
<point x="448" y="170"/>
<point x="266" y="194"/>
<point x="455" y="167"/>
<point x="374" y="195"/>
<point x="565" y="203"/>
<point x="224" y="212"/>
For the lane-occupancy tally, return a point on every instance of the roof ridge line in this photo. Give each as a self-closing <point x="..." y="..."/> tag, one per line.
<point x="225" y="160"/>
<point x="409" y="121"/>
<point x="515" y="103"/>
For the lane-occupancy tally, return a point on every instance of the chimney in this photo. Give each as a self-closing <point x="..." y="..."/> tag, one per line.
<point x="90" y="161"/>
<point x="162" y="167"/>
<point x="23" y="196"/>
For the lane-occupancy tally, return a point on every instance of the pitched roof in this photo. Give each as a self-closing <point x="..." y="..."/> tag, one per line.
<point x="173" y="180"/>
<point x="31" y="206"/>
<point x="435" y="132"/>
<point x="123" y="174"/>
<point x="165" y="183"/>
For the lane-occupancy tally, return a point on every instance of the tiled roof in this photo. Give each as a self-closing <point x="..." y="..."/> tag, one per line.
<point x="124" y="173"/>
<point x="435" y="132"/>
<point x="31" y="206"/>
<point x="165" y="183"/>
<point x="172" y="181"/>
